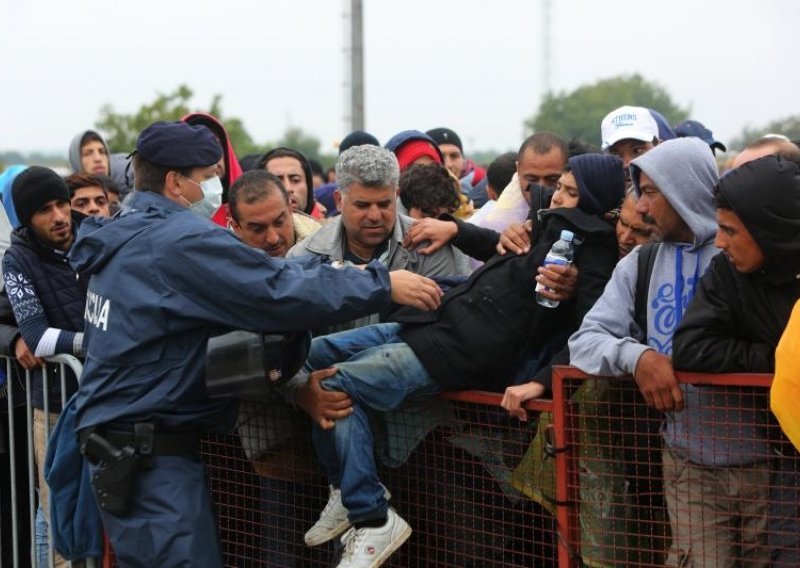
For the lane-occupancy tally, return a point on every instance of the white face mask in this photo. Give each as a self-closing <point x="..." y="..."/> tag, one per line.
<point x="212" y="198"/>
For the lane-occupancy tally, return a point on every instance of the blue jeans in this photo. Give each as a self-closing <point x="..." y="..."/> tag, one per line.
<point x="379" y="371"/>
<point x="42" y="538"/>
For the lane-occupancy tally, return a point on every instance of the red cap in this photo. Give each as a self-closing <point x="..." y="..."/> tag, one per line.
<point x="413" y="150"/>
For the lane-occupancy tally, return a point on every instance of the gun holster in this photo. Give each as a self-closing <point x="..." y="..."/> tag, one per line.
<point x="114" y="478"/>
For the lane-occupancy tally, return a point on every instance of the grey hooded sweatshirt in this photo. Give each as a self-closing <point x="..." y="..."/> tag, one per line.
<point x="75" y="150"/>
<point x="609" y="342"/>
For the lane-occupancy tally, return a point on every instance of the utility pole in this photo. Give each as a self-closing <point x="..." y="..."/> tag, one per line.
<point x="545" y="48"/>
<point x="354" y="65"/>
<point x="357" y="68"/>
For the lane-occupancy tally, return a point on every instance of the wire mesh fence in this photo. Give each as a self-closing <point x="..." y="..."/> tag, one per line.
<point x="713" y="485"/>
<point x="447" y="462"/>
<point x="593" y="478"/>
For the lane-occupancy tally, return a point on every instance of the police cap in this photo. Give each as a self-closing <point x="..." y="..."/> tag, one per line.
<point x="178" y="145"/>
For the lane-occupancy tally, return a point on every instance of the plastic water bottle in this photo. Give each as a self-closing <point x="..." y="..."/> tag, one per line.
<point x="560" y="253"/>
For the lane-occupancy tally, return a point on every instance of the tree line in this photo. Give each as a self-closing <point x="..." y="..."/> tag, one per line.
<point x="571" y="114"/>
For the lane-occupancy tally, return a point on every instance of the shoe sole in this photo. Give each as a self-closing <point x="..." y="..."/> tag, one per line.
<point x="322" y="539"/>
<point x="397" y="543"/>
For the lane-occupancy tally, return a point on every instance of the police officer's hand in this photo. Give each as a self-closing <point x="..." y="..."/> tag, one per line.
<point x="516" y="395"/>
<point x="414" y="290"/>
<point x="323" y="406"/>
<point x="560" y="279"/>
<point x="439" y="233"/>
<point x="656" y="380"/>
<point x="515" y="238"/>
<point x="25" y="356"/>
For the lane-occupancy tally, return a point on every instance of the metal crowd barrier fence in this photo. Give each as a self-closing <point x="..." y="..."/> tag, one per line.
<point x="25" y="532"/>
<point x="448" y="463"/>
<point x="639" y="488"/>
<point x="582" y="483"/>
<point x="586" y="481"/>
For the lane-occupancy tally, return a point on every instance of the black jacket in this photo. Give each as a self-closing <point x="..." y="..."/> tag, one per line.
<point x="478" y="242"/>
<point x="62" y="296"/>
<point x="481" y="243"/>
<point x="8" y="335"/>
<point x="473" y="340"/>
<point x="734" y="321"/>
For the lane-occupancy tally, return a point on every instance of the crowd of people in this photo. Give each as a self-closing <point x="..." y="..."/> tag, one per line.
<point x="415" y="270"/>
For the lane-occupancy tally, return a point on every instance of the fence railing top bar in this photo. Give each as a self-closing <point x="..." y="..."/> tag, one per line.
<point x="69" y="360"/>
<point x="726" y="379"/>
<point x="487" y="398"/>
<point x="565" y="372"/>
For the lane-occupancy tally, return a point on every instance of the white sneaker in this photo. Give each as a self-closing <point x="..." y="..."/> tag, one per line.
<point x="333" y="520"/>
<point x="371" y="547"/>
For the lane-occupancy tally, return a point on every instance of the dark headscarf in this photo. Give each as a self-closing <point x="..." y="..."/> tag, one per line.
<point x="601" y="182"/>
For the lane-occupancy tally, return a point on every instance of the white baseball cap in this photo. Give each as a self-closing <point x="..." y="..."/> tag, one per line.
<point x="628" y="122"/>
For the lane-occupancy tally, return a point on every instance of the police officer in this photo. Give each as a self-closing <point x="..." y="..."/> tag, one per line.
<point x="163" y="280"/>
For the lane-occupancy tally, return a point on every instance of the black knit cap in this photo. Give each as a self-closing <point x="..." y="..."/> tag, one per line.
<point x="445" y="136"/>
<point x="601" y="181"/>
<point x="35" y="187"/>
<point x="357" y="138"/>
<point x="178" y="145"/>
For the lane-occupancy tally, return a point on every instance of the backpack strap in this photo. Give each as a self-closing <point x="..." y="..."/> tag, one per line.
<point x="647" y="258"/>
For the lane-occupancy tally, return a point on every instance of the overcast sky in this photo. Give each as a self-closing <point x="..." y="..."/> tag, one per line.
<point x="472" y="65"/>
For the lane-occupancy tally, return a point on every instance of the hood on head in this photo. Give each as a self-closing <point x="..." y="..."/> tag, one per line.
<point x="96" y="244"/>
<point x="685" y="172"/>
<point x="232" y="168"/>
<point x="122" y="172"/>
<point x="406" y="136"/>
<point x="6" y="180"/>
<point x="601" y="181"/>
<point x="99" y="238"/>
<point x="74" y="154"/>
<point x="765" y="195"/>
<point x="304" y="163"/>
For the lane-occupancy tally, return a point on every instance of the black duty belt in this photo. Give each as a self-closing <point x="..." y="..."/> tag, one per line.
<point x="120" y="454"/>
<point x="147" y="441"/>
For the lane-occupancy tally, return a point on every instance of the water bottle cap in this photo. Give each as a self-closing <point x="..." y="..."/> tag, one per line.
<point x="567" y="236"/>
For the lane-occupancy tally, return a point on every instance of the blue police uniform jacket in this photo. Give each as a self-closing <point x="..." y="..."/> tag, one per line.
<point x="163" y="281"/>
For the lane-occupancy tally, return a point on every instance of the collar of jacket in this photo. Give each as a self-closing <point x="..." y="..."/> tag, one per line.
<point x="329" y="241"/>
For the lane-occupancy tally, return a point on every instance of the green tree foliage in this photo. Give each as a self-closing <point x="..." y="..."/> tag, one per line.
<point x="789" y="126"/>
<point x="12" y="157"/>
<point x="122" y="129"/>
<point x="311" y="147"/>
<point x="578" y="114"/>
<point x="484" y="157"/>
<point x="298" y="139"/>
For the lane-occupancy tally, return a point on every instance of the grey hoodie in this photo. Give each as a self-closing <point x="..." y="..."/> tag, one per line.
<point x="75" y="150"/>
<point x="609" y="342"/>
